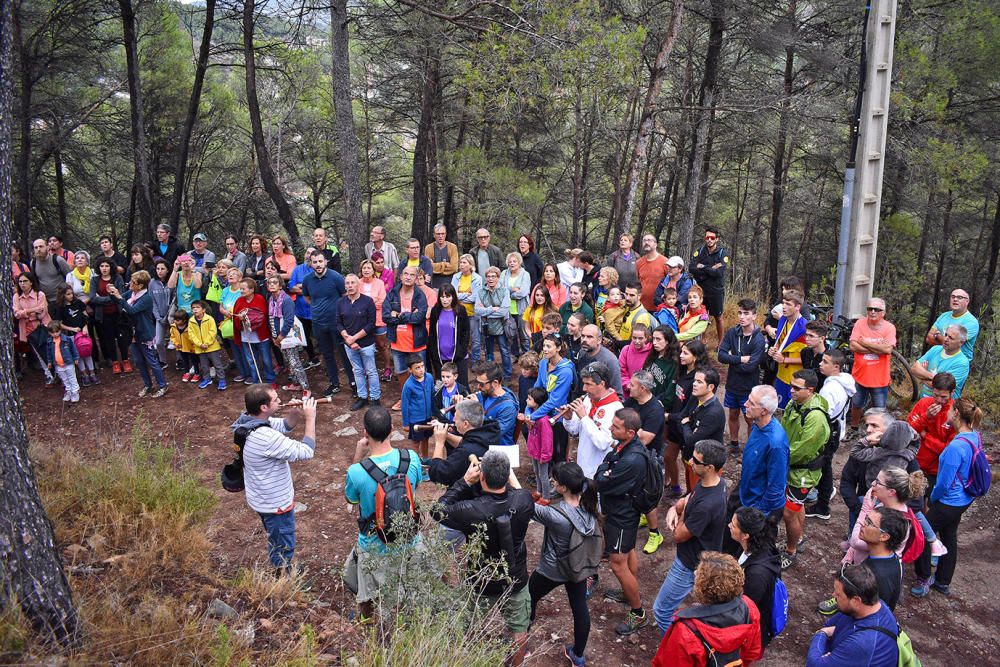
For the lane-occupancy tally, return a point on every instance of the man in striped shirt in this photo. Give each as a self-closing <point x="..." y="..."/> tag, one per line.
<point x="266" y="473"/>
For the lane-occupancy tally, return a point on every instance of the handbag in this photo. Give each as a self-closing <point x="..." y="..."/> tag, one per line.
<point x="226" y="328"/>
<point x="214" y="293"/>
<point x="84" y="343"/>
<point x="296" y="336"/>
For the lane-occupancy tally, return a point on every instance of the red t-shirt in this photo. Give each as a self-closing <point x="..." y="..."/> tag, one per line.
<point x="651" y="272"/>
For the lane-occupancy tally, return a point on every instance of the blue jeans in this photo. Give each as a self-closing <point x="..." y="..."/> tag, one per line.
<point x="144" y="358"/>
<point x="879" y="396"/>
<point x="475" y="328"/>
<point x="399" y="360"/>
<point x="280" y="537"/>
<point x="677" y="585"/>
<point x="363" y="365"/>
<point x="500" y="340"/>
<point x="240" y="357"/>
<point x="259" y="364"/>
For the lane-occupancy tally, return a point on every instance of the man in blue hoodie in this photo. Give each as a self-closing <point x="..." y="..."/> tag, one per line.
<point x="862" y="632"/>
<point x="742" y="348"/>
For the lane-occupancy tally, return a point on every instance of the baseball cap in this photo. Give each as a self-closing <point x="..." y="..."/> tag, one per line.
<point x="675" y="261"/>
<point x="200" y="237"/>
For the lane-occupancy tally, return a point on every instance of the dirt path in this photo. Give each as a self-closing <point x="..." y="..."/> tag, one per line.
<point x="945" y="631"/>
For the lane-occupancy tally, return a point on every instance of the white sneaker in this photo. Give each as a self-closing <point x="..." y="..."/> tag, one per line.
<point x="75" y="398"/>
<point x="938" y="549"/>
<point x="66" y="397"/>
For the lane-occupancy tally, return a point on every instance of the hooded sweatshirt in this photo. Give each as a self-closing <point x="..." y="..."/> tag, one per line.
<point x="838" y="390"/>
<point x="742" y="377"/>
<point x="559" y="526"/>
<point x="558" y="382"/>
<point x="897" y="448"/>
<point x="631" y="360"/>
<point x="729" y="626"/>
<point x="474" y="441"/>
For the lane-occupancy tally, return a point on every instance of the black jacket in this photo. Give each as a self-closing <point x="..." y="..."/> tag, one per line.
<point x="760" y="572"/>
<point x="618" y="479"/>
<point x="853" y="484"/>
<point x="476" y="441"/>
<point x="465" y="508"/>
<point x="705" y="422"/>
<point x="534" y="266"/>
<point x="174" y="250"/>
<point x="462" y="331"/>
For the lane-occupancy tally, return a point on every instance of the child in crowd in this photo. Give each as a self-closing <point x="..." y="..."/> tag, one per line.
<point x="417" y="403"/>
<point x="528" y="364"/>
<point x="201" y="332"/>
<point x="551" y="324"/>
<point x="72" y="313"/>
<point x="182" y="344"/>
<point x="815" y="348"/>
<point x="450" y="390"/>
<point x="612" y="314"/>
<point x="61" y="356"/>
<point x="540" y="446"/>
<point x="668" y="314"/>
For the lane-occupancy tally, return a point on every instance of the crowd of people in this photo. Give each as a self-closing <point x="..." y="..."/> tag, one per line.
<point x="603" y="370"/>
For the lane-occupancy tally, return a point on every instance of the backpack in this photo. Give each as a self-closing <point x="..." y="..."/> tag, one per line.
<point x="779" y="607"/>
<point x="647" y="497"/>
<point x="980" y="474"/>
<point x="393" y="497"/>
<point x="832" y="443"/>
<point x="232" y="473"/>
<point x="584" y="555"/>
<point x="915" y="542"/>
<point x="907" y="658"/>
<point x="712" y="657"/>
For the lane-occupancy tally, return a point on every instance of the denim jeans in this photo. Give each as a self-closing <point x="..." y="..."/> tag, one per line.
<point x="240" y="357"/>
<point x="144" y="358"/>
<point x="259" y="364"/>
<point x="399" y="360"/>
<point x="363" y="365"/>
<point x="475" y="328"/>
<point x="878" y="395"/>
<point x="500" y="340"/>
<point x="280" y="537"/>
<point x="677" y="585"/>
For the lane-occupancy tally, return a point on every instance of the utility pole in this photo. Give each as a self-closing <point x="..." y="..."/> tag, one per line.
<point x="859" y="220"/>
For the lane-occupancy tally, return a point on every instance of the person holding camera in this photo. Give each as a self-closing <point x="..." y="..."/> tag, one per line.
<point x="266" y="473"/>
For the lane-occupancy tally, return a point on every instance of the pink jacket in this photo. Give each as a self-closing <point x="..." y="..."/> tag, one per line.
<point x="540" y="441"/>
<point x="631" y="360"/>
<point x="375" y="288"/>
<point x="30" y="309"/>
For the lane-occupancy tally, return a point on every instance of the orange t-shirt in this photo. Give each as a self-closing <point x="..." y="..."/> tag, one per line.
<point x="872" y="370"/>
<point x="650" y="275"/>
<point x="60" y="362"/>
<point x="404" y="332"/>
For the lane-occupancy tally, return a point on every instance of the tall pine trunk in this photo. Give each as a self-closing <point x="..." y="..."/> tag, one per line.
<point x="778" y="173"/>
<point x="421" y="153"/>
<point x="140" y="155"/>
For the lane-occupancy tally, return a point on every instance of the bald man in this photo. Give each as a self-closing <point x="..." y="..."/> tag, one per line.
<point x="959" y="314"/>
<point x="592" y="349"/>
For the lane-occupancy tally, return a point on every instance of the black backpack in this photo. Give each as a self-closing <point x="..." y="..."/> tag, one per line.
<point x="647" y="496"/>
<point x="395" y="510"/>
<point x="714" y="658"/>
<point x="232" y="473"/>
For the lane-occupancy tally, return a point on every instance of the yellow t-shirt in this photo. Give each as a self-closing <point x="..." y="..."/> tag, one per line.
<point x="465" y="287"/>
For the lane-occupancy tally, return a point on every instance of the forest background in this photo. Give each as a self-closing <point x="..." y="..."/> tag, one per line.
<point x="569" y="119"/>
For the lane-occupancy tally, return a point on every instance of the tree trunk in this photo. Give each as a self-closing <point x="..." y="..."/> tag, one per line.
<point x="192" y="115"/>
<point x="942" y="258"/>
<point x="993" y="259"/>
<point x="60" y="191"/>
<point x="22" y="223"/>
<point x="421" y="185"/>
<point x="706" y="112"/>
<point x="260" y="147"/>
<point x="778" y="175"/>
<point x="450" y="210"/>
<point x="31" y="569"/>
<point x="347" y="138"/>
<point x="639" y="157"/>
<point x="139" y="152"/>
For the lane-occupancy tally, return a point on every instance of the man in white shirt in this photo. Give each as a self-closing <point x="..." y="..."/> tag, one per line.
<point x="837" y="389"/>
<point x="591" y="417"/>
<point x="267" y="476"/>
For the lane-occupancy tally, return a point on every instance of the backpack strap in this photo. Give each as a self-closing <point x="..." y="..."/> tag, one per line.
<point x="374" y="471"/>
<point x="404" y="462"/>
<point x="709" y="650"/>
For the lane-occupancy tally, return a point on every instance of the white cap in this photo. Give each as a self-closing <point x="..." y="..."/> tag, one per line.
<point x="675" y="261"/>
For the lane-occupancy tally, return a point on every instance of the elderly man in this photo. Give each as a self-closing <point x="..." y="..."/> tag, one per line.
<point x="592" y="349"/>
<point x="678" y="279"/>
<point x="949" y="357"/>
<point x="485" y="254"/>
<point x="448" y="463"/>
<point x="591" y="417"/>
<point x="378" y="243"/>
<point x="872" y="341"/>
<point x="322" y="243"/>
<point x="650" y="434"/>
<point x="204" y="259"/>
<point x="444" y="257"/>
<point x="652" y="269"/>
<point x="959" y="314"/>
<point x="415" y="259"/>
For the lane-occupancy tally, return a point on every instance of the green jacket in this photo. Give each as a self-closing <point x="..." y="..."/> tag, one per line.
<point x="806" y="439"/>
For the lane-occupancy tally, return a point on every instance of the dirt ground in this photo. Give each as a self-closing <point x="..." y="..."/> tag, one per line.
<point x="951" y="630"/>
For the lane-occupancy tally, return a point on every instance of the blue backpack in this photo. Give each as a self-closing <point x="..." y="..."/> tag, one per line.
<point x="779" y="607"/>
<point x="980" y="474"/>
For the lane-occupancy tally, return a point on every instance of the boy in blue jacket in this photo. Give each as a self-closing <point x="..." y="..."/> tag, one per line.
<point x="742" y="348"/>
<point x="417" y="403"/>
<point x="61" y="355"/>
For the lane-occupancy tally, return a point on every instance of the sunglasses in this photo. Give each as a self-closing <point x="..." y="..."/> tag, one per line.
<point x="710" y="237"/>
<point x="797" y="387"/>
<point x="696" y="462"/>
<point x="874" y="310"/>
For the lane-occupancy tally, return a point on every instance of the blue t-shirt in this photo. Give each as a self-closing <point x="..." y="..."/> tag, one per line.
<point x="323" y="294"/>
<point x="852" y="646"/>
<point x="361" y="489"/>
<point x="968" y="320"/>
<point x="939" y="362"/>
<point x="303" y="310"/>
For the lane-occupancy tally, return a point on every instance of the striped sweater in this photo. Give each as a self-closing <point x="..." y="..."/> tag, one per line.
<point x="266" y="456"/>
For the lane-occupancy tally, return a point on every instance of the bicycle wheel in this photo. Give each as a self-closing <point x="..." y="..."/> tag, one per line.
<point x="902" y="384"/>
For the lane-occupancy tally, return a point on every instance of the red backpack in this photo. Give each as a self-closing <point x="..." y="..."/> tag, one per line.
<point x="915" y="542"/>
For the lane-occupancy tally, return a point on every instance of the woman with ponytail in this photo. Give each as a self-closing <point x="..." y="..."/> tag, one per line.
<point x="760" y="561"/>
<point x="576" y="513"/>
<point x="950" y="498"/>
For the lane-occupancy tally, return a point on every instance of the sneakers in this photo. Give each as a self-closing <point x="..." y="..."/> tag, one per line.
<point x="238" y="379"/>
<point x="313" y="363"/>
<point x="159" y="393"/>
<point x="633" y="623"/>
<point x="943" y="589"/>
<point x="116" y="367"/>
<point x="788" y="560"/>
<point x="331" y="390"/>
<point x="195" y="378"/>
<point x="186" y="377"/>
<point x="643" y="521"/>
<point x="66" y="397"/>
<point x="615" y="595"/>
<point x="922" y="588"/>
<point x="207" y="382"/>
<point x="938" y="549"/>
<point x="815" y="512"/>
<point x="574" y="659"/>
<point x="144" y="392"/>
<point x="358" y="404"/>
<point x="127" y="366"/>
<point x="85" y="381"/>
<point x="222" y="385"/>
<point x="827" y="607"/>
<point x="652" y="543"/>
<point x="94" y="379"/>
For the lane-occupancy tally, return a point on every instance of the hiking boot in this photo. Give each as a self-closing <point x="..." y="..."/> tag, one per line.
<point x="921" y="588"/>
<point x="615" y="595"/>
<point x="127" y="366"/>
<point x="653" y="543"/>
<point x="817" y="512"/>
<point x="116" y="367"/>
<point x="827" y="607"/>
<point x="574" y="659"/>
<point x="633" y="623"/>
<point x="358" y="404"/>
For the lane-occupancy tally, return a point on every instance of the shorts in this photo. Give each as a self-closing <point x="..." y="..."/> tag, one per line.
<point x="714" y="302"/>
<point x="381" y="331"/>
<point x="619" y="540"/>
<point x="879" y="396"/>
<point x="795" y="498"/>
<point x="515" y="609"/>
<point x="399" y="360"/>
<point x="734" y="400"/>
<point x="364" y="573"/>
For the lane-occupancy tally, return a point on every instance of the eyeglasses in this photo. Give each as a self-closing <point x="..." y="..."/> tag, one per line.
<point x="959" y="297"/>
<point x="483" y="237"/>
<point x="874" y="310"/>
<point x="878" y="482"/>
<point x="869" y="522"/>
